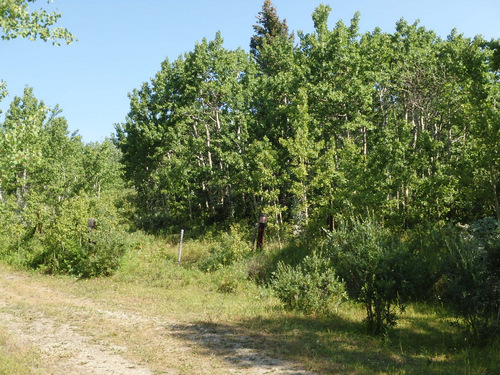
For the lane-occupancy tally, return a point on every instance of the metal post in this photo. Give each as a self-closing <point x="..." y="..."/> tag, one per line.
<point x="180" y="247"/>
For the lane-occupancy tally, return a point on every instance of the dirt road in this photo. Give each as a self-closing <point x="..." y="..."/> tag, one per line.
<point x="82" y="335"/>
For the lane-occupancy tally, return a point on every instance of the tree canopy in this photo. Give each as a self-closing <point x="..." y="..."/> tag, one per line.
<point x="18" y="20"/>
<point x="404" y="124"/>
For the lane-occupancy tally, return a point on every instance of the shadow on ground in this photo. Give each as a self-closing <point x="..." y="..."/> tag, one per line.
<point x="292" y="345"/>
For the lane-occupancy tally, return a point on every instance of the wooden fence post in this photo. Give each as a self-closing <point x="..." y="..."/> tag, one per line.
<point x="262" y="230"/>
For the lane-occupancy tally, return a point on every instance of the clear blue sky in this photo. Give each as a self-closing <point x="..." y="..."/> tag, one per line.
<point x="122" y="44"/>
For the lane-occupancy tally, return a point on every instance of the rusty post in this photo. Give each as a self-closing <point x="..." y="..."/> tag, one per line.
<point x="262" y="230"/>
<point x="331" y="223"/>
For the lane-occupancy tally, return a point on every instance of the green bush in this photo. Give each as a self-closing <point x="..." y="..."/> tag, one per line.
<point x="263" y="264"/>
<point x="231" y="278"/>
<point x="429" y="243"/>
<point x="11" y="229"/>
<point x="471" y="279"/>
<point x="227" y="249"/>
<point x="378" y="270"/>
<point x="63" y="243"/>
<point x="311" y="287"/>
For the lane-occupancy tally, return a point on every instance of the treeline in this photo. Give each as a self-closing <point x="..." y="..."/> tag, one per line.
<point x="332" y="123"/>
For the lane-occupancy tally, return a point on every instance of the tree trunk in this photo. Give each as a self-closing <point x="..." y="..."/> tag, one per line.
<point x="494" y="191"/>
<point x="209" y="154"/>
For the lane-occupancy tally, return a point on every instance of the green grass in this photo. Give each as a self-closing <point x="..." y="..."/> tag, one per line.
<point x="424" y="342"/>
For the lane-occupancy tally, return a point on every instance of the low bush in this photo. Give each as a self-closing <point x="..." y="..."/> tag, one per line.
<point x="231" y="278"/>
<point x="471" y="280"/>
<point x="311" y="287"/>
<point x="63" y="243"/>
<point x="227" y="248"/>
<point x="378" y="270"/>
<point x="263" y="264"/>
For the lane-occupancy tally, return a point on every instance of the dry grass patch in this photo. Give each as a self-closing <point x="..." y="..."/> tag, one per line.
<point x="16" y="358"/>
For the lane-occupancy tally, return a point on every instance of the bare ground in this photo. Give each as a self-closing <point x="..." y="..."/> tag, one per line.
<point x="76" y="335"/>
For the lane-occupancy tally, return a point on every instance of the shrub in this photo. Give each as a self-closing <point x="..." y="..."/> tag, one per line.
<point x="230" y="279"/>
<point x="262" y="266"/>
<point x="67" y="245"/>
<point x="429" y="243"/>
<point x="471" y="280"/>
<point x="228" y="248"/>
<point x="310" y="287"/>
<point x="377" y="268"/>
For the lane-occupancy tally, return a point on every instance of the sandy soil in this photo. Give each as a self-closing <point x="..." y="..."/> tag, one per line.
<point x="81" y="336"/>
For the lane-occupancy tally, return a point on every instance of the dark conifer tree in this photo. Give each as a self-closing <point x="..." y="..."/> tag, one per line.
<point x="269" y="28"/>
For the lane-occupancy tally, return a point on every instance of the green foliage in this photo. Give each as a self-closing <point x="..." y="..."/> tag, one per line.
<point x="66" y="245"/>
<point x="311" y="287"/>
<point x="50" y="185"/>
<point x="17" y="20"/>
<point x="461" y="271"/>
<point x="184" y="139"/>
<point x="378" y="270"/>
<point x="404" y="123"/>
<point x="230" y="279"/>
<point x="269" y="29"/>
<point x="229" y="248"/>
<point x="471" y="279"/>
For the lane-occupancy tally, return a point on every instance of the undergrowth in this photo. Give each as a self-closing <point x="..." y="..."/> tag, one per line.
<point x="290" y="296"/>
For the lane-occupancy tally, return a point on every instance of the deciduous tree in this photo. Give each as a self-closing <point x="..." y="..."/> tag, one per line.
<point x="18" y="20"/>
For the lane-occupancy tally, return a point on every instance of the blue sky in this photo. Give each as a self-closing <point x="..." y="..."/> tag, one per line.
<point x="122" y="44"/>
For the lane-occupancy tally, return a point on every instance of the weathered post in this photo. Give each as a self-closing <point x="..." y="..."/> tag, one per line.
<point x="92" y="227"/>
<point x="180" y="247"/>
<point x="262" y="230"/>
<point x="92" y="223"/>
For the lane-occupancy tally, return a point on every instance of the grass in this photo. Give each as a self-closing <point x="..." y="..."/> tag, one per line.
<point x="420" y="345"/>
<point x="424" y="341"/>
<point x="17" y="359"/>
<point x="151" y="283"/>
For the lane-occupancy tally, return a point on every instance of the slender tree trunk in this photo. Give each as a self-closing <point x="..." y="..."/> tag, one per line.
<point x="306" y="206"/>
<point x="190" y="205"/>
<point x="209" y="154"/>
<point x="494" y="191"/>
<point x="279" y="222"/>
<point x="365" y="142"/>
